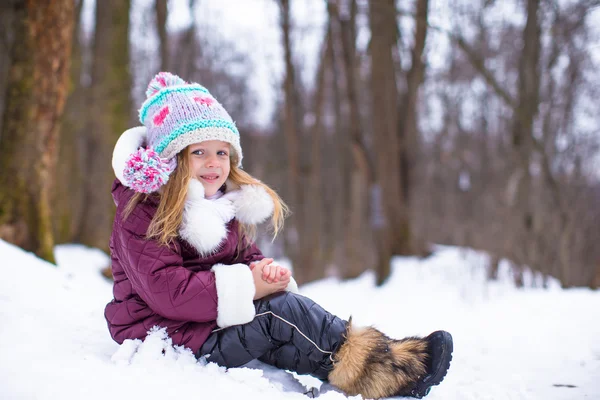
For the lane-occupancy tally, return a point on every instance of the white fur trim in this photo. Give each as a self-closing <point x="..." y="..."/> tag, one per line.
<point x="131" y="140"/>
<point x="204" y="221"/>
<point x="235" y="291"/>
<point x="253" y="205"/>
<point x="195" y="191"/>
<point x="292" y="286"/>
<point x="202" y="226"/>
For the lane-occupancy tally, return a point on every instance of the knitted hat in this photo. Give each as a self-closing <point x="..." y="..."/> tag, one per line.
<point x="176" y="114"/>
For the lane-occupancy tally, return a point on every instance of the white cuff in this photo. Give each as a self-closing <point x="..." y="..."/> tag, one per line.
<point x="292" y="286"/>
<point x="235" y="292"/>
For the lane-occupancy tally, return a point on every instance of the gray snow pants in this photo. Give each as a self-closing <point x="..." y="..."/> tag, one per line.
<point x="289" y="331"/>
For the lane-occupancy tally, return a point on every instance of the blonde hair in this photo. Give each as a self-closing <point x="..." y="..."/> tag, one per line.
<point x="165" y="224"/>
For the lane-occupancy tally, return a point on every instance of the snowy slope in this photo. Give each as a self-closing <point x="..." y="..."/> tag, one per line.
<point x="509" y="343"/>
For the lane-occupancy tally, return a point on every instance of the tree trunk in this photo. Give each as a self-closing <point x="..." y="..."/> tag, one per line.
<point x="356" y="243"/>
<point x="314" y="201"/>
<point x="7" y="39"/>
<point x="339" y="175"/>
<point x="36" y="89"/>
<point x="295" y="235"/>
<point x="111" y="106"/>
<point x="404" y="243"/>
<point x="187" y="49"/>
<point x="522" y="135"/>
<point x="68" y="197"/>
<point x="385" y="193"/>
<point x="160" y="9"/>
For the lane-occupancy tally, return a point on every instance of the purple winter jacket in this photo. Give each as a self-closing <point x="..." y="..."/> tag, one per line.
<point x="171" y="287"/>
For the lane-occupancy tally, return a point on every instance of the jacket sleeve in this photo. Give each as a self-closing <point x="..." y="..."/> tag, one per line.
<point x="249" y="254"/>
<point x="172" y="291"/>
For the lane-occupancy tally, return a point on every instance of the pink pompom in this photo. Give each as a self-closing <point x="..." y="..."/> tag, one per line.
<point x="146" y="172"/>
<point x="162" y="80"/>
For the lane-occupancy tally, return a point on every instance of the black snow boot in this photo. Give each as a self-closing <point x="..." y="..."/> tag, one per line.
<point x="375" y="366"/>
<point x="439" y="349"/>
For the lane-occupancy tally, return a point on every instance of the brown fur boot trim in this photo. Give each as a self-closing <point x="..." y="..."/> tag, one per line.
<point x="371" y="364"/>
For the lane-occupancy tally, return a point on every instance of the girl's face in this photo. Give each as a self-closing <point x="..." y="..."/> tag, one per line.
<point x="210" y="164"/>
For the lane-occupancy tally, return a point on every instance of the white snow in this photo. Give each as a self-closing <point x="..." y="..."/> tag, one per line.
<point x="509" y="343"/>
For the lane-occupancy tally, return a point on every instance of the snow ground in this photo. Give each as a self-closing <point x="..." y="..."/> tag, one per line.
<point x="510" y="344"/>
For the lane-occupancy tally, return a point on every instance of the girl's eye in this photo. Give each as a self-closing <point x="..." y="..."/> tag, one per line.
<point x="222" y="153"/>
<point x="198" y="152"/>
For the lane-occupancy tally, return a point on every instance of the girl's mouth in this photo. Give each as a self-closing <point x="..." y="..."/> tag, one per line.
<point x="210" y="177"/>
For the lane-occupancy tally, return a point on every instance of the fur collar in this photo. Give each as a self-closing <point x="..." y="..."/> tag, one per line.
<point x="205" y="221"/>
<point x="204" y="224"/>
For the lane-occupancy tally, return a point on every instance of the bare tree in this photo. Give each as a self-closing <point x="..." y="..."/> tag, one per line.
<point x="526" y="111"/>
<point x="385" y="192"/>
<point x="160" y="9"/>
<point x="185" y="45"/>
<point x="37" y="89"/>
<point x="68" y="196"/>
<point x="408" y="135"/>
<point x="357" y="171"/>
<point x="313" y="211"/>
<point x="7" y="39"/>
<point x="111" y="107"/>
<point x="292" y="130"/>
<point x="528" y="198"/>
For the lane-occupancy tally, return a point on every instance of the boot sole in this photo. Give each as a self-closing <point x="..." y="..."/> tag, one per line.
<point x="438" y="376"/>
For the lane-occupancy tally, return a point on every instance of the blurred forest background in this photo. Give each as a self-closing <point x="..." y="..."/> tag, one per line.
<point x="463" y="122"/>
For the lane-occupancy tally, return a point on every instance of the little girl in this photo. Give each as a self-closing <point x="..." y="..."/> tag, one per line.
<point x="184" y="258"/>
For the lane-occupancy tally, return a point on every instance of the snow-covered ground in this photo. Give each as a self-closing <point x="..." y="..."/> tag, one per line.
<point x="509" y="343"/>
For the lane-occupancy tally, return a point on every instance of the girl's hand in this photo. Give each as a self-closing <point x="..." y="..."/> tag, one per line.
<point x="261" y="264"/>
<point x="264" y="288"/>
<point x="274" y="273"/>
<point x="286" y="274"/>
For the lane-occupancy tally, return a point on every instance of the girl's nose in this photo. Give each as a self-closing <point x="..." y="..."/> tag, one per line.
<point x="211" y="161"/>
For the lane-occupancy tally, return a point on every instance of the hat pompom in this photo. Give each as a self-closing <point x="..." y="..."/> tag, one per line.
<point x="146" y="172"/>
<point x="162" y="80"/>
